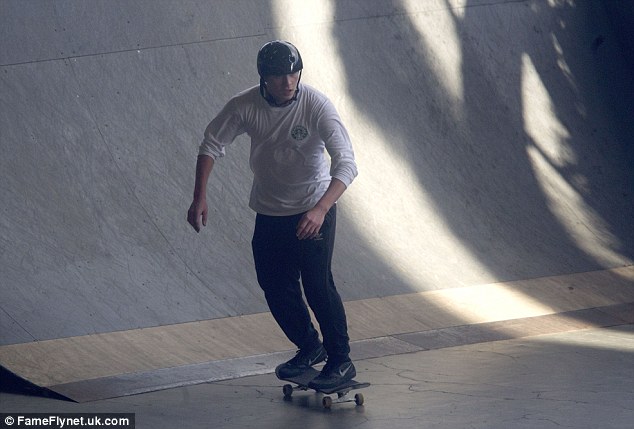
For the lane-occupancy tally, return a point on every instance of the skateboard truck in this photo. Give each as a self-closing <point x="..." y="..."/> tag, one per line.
<point x="343" y="391"/>
<point x="327" y="401"/>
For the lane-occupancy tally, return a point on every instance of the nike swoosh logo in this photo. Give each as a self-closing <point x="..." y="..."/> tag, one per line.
<point x="312" y="362"/>
<point x="343" y="371"/>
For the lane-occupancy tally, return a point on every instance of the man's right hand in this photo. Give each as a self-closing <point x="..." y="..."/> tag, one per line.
<point x="197" y="212"/>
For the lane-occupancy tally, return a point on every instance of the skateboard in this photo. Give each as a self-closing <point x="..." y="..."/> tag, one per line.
<point x="342" y="391"/>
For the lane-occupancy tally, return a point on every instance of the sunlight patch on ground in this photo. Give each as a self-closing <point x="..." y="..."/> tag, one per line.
<point x="619" y="338"/>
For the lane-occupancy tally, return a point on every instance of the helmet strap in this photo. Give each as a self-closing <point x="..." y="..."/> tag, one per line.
<point x="271" y="100"/>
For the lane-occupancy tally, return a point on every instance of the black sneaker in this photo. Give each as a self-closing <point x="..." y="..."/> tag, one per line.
<point x="301" y="362"/>
<point x="334" y="374"/>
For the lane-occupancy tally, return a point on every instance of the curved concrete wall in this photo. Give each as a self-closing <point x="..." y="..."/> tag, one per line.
<point x="621" y="18"/>
<point x="493" y="140"/>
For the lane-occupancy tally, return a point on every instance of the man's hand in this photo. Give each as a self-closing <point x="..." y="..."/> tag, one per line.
<point x="198" y="209"/>
<point x="310" y="224"/>
<point x="197" y="212"/>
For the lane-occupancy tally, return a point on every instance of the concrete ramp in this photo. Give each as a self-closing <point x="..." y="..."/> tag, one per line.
<point x="494" y="142"/>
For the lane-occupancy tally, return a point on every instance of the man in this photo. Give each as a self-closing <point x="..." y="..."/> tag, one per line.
<point x="294" y="192"/>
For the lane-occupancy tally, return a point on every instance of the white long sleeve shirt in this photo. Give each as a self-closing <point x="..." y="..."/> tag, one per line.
<point x="290" y="169"/>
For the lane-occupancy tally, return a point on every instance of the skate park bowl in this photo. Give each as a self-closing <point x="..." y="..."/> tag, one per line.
<point x="495" y="195"/>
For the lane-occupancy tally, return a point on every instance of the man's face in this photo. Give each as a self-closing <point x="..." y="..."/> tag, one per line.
<point x="282" y="87"/>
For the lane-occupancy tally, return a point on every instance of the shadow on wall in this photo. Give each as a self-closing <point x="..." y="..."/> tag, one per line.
<point x="487" y="187"/>
<point x="621" y="16"/>
<point x="514" y="153"/>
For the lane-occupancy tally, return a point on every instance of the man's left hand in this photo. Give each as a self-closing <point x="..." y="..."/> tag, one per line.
<point x="310" y="224"/>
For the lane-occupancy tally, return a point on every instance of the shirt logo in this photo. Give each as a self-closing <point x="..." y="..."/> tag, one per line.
<point x="299" y="132"/>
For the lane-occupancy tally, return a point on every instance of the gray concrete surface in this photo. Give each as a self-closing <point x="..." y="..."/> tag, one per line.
<point x="494" y="141"/>
<point x="579" y="379"/>
<point x="621" y="17"/>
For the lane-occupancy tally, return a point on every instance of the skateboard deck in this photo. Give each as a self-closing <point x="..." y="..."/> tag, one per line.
<point x="342" y="391"/>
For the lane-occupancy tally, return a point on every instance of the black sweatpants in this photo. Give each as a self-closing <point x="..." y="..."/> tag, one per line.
<point x="281" y="262"/>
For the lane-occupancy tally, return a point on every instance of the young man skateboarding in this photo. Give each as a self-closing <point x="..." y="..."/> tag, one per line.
<point x="294" y="192"/>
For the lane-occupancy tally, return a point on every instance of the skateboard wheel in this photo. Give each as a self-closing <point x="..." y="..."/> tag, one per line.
<point x="288" y="390"/>
<point x="358" y="399"/>
<point x="327" y="402"/>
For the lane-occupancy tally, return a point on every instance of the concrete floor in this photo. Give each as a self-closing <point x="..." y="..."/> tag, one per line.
<point x="579" y="379"/>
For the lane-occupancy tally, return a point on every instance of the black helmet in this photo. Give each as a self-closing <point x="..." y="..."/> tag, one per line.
<point x="278" y="58"/>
